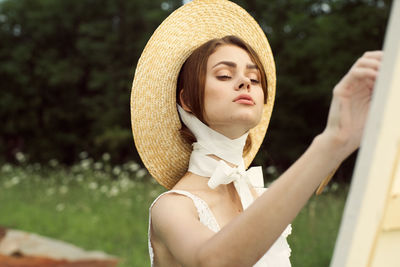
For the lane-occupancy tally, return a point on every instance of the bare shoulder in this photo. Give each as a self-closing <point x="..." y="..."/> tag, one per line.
<point x="177" y="229"/>
<point x="168" y="208"/>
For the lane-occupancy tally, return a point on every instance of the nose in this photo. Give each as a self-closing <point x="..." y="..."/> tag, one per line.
<point x="243" y="83"/>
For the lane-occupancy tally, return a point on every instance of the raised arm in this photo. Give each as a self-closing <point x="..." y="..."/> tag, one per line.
<point x="244" y="240"/>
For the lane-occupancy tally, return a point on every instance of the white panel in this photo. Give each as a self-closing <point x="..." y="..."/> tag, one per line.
<point x="396" y="186"/>
<point x="392" y="216"/>
<point x="368" y="196"/>
<point x="387" y="250"/>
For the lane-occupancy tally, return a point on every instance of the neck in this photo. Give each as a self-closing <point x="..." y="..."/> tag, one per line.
<point x="218" y="159"/>
<point x="210" y="142"/>
<point x="229" y="131"/>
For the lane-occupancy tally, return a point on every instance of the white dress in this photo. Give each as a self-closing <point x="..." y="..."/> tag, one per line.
<point x="277" y="256"/>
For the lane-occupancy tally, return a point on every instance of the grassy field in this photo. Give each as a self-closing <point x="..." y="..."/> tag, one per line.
<point x="101" y="207"/>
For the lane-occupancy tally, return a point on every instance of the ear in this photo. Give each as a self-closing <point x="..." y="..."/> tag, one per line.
<point x="184" y="106"/>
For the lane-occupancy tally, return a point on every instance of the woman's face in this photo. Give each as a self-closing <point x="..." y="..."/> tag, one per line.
<point x="233" y="96"/>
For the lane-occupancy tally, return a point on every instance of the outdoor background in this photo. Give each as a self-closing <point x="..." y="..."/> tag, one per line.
<point x="68" y="164"/>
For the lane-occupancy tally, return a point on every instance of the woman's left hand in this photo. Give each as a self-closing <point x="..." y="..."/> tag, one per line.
<point x="350" y="104"/>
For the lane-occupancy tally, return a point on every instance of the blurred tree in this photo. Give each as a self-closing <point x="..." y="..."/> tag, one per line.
<point x="66" y="72"/>
<point x="67" y="67"/>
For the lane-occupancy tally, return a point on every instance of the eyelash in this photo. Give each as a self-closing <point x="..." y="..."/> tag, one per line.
<point x="255" y="81"/>
<point x="226" y="77"/>
<point x="223" y="77"/>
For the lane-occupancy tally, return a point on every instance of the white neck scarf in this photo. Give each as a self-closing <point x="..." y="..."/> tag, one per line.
<point x="210" y="142"/>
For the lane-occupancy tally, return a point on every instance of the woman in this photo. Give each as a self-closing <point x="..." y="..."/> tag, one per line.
<point x="215" y="215"/>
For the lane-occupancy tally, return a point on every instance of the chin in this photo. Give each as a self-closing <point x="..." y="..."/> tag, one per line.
<point x="251" y="117"/>
<point x="251" y="126"/>
<point x="249" y="121"/>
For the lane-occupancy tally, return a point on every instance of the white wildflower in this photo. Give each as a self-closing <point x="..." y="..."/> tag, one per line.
<point x="124" y="183"/>
<point x="114" y="191"/>
<point x="103" y="189"/>
<point x="60" y="207"/>
<point x="85" y="164"/>
<point x="93" y="185"/>
<point x="98" y="166"/>
<point x="6" y="168"/>
<point x="79" y="178"/>
<point x="83" y="155"/>
<point x="165" y="6"/>
<point x="20" y="157"/>
<point x="50" y="191"/>
<point x="63" y="189"/>
<point x="116" y="170"/>
<point x="134" y="167"/>
<point x="271" y="170"/>
<point x="53" y="163"/>
<point x="334" y="187"/>
<point x="106" y="157"/>
<point x="141" y="173"/>
<point x="15" y="180"/>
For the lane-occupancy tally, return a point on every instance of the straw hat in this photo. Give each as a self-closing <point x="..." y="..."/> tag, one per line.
<point x="155" y="120"/>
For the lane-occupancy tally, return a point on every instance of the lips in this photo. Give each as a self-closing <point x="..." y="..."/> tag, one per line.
<point x="244" y="99"/>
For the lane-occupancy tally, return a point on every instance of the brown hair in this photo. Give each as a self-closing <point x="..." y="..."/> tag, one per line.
<point x="192" y="78"/>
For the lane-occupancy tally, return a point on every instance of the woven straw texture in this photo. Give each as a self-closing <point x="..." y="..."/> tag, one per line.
<point x="155" y="120"/>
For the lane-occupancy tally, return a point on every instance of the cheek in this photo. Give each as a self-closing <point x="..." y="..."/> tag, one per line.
<point x="260" y="100"/>
<point x="214" y="99"/>
<point x="213" y="93"/>
<point x="258" y="95"/>
<point x="211" y="102"/>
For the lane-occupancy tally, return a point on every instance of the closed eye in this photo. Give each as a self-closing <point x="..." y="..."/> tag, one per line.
<point x="223" y="77"/>
<point x="255" y="81"/>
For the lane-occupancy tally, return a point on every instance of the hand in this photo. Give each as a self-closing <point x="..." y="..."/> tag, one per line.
<point x="350" y="103"/>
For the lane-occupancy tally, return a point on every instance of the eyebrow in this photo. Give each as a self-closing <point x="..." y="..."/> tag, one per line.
<point x="233" y="65"/>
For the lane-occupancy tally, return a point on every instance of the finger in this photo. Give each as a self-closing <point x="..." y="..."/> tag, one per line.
<point x="377" y="54"/>
<point x="370" y="83"/>
<point x="364" y="89"/>
<point x="371" y="63"/>
<point x="369" y="86"/>
<point x="365" y="73"/>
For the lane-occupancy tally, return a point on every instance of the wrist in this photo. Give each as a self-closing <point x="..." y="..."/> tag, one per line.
<point x="331" y="148"/>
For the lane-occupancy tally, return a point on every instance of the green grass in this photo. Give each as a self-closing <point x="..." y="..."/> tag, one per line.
<point x="101" y="207"/>
<point x="315" y="229"/>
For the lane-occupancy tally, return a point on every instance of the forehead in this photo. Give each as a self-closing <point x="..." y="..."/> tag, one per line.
<point x="229" y="53"/>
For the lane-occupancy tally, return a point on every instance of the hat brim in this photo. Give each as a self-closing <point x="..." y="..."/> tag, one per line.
<point x="154" y="117"/>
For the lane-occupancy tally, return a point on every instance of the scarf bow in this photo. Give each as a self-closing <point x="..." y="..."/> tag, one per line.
<point x="242" y="180"/>
<point x="210" y="142"/>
